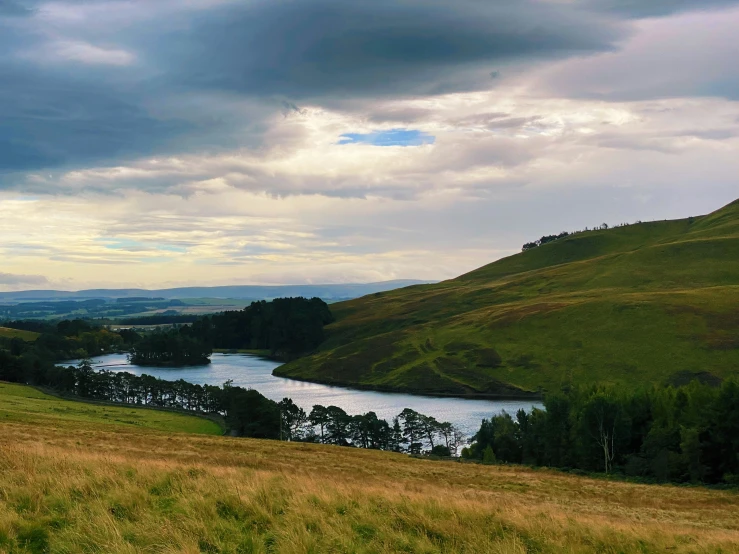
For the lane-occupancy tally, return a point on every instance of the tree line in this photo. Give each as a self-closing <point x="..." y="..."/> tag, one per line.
<point x="410" y="431"/>
<point x="285" y="326"/>
<point x="546" y="239"/>
<point x="684" y="434"/>
<point x="173" y="347"/>
<point x="250" y="414"/>
<point x="63" y="340"/>
<point x="247" y="412"/>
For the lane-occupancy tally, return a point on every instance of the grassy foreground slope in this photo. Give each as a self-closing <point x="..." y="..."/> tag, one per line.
<point x="128" y="489"/>
<point x="28" y="336"/>
<point x="651" y="302"/>
<point x="19" y="403"/>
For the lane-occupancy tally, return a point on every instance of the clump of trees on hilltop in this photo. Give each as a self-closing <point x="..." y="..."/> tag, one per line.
<point x="546" y="239"/>
<point x="685" y="434"/>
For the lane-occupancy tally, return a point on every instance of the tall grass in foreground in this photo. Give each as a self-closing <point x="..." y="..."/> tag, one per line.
<point x="127" y="490"/>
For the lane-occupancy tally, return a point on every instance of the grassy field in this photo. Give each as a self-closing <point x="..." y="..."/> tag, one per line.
<point x="8" y="333"/>
<point x="648" y="303"/>
<point x="71" y="485"/>
<point x="19" y="403"/>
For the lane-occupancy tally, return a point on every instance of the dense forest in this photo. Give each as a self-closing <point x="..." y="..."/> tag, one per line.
<point x="410" y="431"/>
<point x="173" y="347"/>
<point x="684" y="434"/>
<point x="285" y="326"/>
<point x="64" y="340"/>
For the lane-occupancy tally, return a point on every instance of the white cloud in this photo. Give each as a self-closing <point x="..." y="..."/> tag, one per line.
<point x="558" y="147"/>
<point x="682" y="56"/>
<point x="79" y="51"/>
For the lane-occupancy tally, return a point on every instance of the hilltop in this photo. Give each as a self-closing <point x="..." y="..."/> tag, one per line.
<point x="645" y="303"/>
<point x="76" y="477"/>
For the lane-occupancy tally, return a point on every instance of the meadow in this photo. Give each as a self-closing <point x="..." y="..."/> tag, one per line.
<point x="19" y="403"/>
<point x="28" y="336"/>
<point x="648" y="303"/>
<point x="111" y="487"/>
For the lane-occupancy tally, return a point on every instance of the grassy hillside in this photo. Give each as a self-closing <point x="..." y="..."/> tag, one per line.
<point x="19" y="403"/>
<point x="124" y="488"/>
<point x="8" y="333"/>
<point x="651" y="302"/>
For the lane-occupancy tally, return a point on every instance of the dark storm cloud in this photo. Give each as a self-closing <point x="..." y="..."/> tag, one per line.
<point x="65" y="106"/>
<point x="10" y="8"/>
<point x="49" y="120"/>
<point x="332" y="47"/>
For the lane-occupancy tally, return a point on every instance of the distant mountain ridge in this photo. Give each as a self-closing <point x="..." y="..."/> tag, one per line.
<point x="250" y="292"/>
<point x="648" y="303"/>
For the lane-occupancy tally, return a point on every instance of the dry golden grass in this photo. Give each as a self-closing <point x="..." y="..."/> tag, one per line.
<point x="122" y="489"/>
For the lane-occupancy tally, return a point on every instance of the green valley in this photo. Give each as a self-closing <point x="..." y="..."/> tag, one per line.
<point x="653" y="302"/>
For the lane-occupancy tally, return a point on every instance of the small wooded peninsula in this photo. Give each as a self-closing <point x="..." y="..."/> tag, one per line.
<point x="284" y="327"/>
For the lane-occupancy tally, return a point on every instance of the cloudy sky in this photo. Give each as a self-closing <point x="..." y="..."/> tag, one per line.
<point x="163" y="143"/>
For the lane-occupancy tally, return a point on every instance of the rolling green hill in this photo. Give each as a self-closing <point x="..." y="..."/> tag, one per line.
<point x="646" y="303"/>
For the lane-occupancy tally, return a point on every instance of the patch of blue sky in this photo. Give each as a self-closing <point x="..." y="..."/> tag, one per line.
<point x="391" y="137"/>
<point x="122" y="244"/>
<point x="171" y="248"/>
<point x="137" y="246"/>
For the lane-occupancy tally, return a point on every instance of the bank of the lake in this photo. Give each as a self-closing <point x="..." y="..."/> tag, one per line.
<point x="250" y="371"/>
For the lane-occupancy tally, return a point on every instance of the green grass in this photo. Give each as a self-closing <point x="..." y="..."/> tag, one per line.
<point x="28" y="336"/>
<point x="648" y="303"/>
<point x="19" y="403"/>
<point x="122" y="490"/>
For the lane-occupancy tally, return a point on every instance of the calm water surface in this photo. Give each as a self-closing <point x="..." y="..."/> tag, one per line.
<point x="256" y="373"/>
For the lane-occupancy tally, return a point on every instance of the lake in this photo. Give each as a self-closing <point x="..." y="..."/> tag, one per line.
<point x="253" y="372"/>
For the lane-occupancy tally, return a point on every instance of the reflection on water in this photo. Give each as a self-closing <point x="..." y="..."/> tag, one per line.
<point x="256" y="373"/>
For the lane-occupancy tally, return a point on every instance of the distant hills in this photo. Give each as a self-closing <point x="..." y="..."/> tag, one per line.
<point x="247" y="292"/>
<point x="646" y="303"/>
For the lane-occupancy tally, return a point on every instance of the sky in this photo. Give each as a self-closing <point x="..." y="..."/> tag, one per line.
<point x="164" y="143"/>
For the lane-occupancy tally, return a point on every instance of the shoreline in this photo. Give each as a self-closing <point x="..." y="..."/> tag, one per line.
<point x="523" y="396"/>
